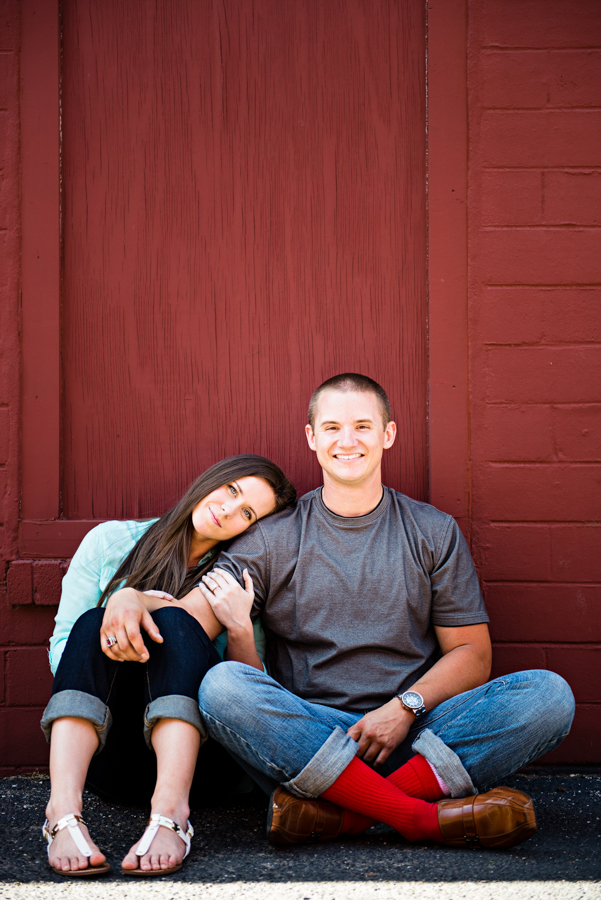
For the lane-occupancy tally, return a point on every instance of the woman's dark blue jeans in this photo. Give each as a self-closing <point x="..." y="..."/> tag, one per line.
<point x="124" y="700"/>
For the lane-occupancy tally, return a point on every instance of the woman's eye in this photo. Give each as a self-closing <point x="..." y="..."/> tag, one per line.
<point x="233" y="490"/>
<point x="247" y="514"/>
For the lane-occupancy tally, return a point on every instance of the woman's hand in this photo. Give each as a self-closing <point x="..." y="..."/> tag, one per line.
<point x="162" y="595"/>
<point x="230" y="603"/>
<point x="125" y="615"/>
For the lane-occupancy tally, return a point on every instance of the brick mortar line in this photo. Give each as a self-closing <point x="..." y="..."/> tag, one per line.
<point x="551" y="345"/>
<point x="541" y="226"/>
<point x="550" y="645"/>
<point x="500" y="48"/>
<point x="543" y="523"/>
<point x="496" y="581"/>
<point x="583" y="169"/>
<point x="530" y="109"/>
<point x="539" y="464"/>
<point x="568" y="404"/>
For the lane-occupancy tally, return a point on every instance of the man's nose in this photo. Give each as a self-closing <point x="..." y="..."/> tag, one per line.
<point x="347" y="437"/>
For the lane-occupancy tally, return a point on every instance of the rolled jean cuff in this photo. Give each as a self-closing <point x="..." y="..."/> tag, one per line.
<point x="173" y="706"/>
<point x="446" y="762"/>
<point x="77" y="704"/>
<point x="323" y="769"/>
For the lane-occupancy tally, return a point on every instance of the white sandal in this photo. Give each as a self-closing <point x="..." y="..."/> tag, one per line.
<point x="154" y="823"/>
<point x="71" y="821"/>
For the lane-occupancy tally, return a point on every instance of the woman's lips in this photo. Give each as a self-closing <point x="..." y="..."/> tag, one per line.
<point x="215" y="519"/>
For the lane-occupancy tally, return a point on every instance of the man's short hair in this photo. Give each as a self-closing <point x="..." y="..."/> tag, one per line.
<point x="351" y="381"/>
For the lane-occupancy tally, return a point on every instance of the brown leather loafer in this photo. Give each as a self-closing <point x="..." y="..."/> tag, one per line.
<point x="293" y="820"/>
<point x="502" y="817"/>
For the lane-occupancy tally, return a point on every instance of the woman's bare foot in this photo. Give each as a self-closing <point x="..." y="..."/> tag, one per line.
<point x="167" y="849"/>
<point x="64" y="855"/>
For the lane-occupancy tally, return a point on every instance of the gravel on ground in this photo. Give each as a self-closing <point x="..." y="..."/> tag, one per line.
<point x="231" y="859"/>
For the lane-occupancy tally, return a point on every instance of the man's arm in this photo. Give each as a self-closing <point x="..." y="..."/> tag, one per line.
<point x="464" y="665"/>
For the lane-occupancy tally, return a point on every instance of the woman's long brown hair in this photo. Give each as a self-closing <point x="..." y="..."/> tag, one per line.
<point x="159" y="560"/>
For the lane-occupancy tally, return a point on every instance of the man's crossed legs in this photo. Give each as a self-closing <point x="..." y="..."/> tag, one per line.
<point x="472" y="742"/>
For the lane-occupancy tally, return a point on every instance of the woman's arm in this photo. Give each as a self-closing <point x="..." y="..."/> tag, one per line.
<point x="219" y="595"/>
<point x="80" y="591"/>
<point x="129" y="610"/>
<point x="96" y="559"/>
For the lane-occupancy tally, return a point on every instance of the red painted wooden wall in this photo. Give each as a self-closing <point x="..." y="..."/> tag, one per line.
<point x="243" y="216"/>
<point x="535" y="331"/>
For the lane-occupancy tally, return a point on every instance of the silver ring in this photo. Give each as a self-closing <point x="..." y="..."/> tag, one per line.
<point x="110" y="642"/>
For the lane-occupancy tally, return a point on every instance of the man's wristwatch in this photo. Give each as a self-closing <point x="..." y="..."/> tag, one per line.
<point x="414" y="702"/>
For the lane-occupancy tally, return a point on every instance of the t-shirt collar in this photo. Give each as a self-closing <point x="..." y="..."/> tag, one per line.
<point x="353" y="521"/>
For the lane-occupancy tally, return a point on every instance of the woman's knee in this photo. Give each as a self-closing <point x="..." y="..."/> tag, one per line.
<point x="185" y="644"/>
<point x="87" y="627"/>
<point x="173" y="620"/>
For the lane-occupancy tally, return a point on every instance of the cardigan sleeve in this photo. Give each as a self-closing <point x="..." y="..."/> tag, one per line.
<point x="80" y="591"/>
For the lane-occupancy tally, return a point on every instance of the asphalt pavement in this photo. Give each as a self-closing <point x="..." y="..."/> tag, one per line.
<point x="231" y="859"/>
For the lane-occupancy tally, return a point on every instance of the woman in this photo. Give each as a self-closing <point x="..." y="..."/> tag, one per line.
<point x="99" y="704"/>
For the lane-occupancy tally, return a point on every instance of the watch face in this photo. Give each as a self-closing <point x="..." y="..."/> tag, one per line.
<point x="412" y="699"/>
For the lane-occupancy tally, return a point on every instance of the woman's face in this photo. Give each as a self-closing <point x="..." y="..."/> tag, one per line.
<point x="230" y="509"/>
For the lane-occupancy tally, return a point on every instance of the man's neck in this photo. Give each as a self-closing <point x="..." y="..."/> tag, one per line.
<point x="351" y="500"/>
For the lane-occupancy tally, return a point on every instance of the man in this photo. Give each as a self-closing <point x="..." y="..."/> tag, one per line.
<point x="377" y="708"/>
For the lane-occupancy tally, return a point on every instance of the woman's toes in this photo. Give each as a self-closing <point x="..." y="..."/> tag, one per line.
<point x="63" y="844"/>
<point x="131" y="860"/>
<point x="72" y="864"/>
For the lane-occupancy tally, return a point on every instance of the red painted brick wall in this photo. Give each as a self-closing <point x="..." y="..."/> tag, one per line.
<point x="534" y="76"/>
<point x="26" y="588"/>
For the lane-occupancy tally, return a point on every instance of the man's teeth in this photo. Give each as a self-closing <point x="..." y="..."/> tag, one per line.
<point x="348" y="456"/>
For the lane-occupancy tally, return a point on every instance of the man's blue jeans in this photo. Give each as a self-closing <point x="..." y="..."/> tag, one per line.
<point x="474" y="740"/>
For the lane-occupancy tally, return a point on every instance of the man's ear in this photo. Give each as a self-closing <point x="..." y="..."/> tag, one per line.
<point x="389" y="435"/>
<point x="310" y="437"/>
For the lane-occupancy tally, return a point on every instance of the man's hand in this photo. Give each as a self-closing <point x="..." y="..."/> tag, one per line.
<point x="380" y="731"/>
<point x="124" y="617"/>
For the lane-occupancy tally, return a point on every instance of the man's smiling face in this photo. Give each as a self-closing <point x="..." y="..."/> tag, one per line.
<point x="350" y="436"/>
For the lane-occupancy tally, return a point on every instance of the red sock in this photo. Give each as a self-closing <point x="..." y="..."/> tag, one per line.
<point x="362" y="790"/>
<point x="415" y="778"/>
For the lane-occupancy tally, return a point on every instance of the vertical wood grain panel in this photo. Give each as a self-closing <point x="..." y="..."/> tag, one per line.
<point x="40" y="259"/>
<point x="244" y="217"/>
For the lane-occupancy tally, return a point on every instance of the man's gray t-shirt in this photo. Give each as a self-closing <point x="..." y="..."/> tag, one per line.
<point x="349" y="604"/>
